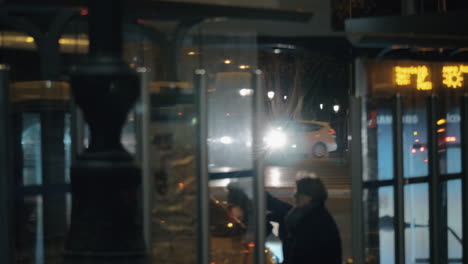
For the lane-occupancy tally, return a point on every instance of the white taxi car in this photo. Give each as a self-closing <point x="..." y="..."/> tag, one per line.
<point x="301" y="137"/>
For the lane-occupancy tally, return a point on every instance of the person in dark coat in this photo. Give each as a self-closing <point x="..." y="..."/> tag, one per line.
<point x="313" y="235"/>
<point x="307" y="231"/>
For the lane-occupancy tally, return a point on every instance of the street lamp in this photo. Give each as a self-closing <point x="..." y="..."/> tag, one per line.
<point x="245" y="92"/>
<point x="336" y="108"/>
<point x="271" y="94"/>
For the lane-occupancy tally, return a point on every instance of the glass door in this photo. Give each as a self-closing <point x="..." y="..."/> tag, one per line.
<point x="408" y="178"/>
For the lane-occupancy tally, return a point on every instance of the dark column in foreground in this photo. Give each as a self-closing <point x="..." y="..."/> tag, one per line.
<point x="6" y="177"/>
<point x="106" y="225"/>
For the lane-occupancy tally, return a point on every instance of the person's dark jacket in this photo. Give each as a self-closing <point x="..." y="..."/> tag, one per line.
<point x="313" y="236"/>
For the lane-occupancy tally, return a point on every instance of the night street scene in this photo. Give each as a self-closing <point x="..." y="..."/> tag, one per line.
<point x="233" y="131"/>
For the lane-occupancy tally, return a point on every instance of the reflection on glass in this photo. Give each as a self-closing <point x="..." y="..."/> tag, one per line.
<point x="31" y="144"/>
<point x="415" y="148"/>
<point x="416" y="222"/>
<point x="379" y="225"/>
<point x="379" y="141"/>
<point x="369" y="142"/>
<point x="454" y="221"/>
<point x="128" y="137"/>
<point x="232" y="222"/>
<point x="386" y="227"/>
<point x="371" y="225"/>
<point x="67" y="144"/>
<point x="30" y="243"/>
<point x="449" y="142"/>
<point x="230" y="122"/>
<point x="384" y="144"/>
<point x="40" y="231"/>
<point x="174" y="203"/>
<point x="230" y="112"/>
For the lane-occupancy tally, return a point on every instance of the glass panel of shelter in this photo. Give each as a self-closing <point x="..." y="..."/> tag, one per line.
<point x="171" y="136"/>
<point x="385" y="79"/>
<point x="41" y="141"/>
<point x="172" y="199"/>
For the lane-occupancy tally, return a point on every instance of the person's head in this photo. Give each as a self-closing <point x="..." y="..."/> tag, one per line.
<point x="308" y="190"/>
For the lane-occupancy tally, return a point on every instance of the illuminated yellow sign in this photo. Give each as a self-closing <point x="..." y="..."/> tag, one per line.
<point x="403" y="76"/>
<point x="453" y="75"/>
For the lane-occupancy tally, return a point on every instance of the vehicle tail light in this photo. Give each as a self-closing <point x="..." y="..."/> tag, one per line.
<point x="332" y="131"/>
<point x="450" y="139"/>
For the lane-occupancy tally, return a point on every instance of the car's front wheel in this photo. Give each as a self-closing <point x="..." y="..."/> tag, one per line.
<point x="319" y="150"/>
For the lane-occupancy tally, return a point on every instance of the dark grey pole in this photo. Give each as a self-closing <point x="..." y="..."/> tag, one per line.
<point x="203" y="246"/>
<point x="259" y="179"/>
<point x="464" y="145"/>
<point x="143" y="135"/>
<point x="398" y="177"/>
<point x="434" y="182"/>
<point x="6" y="175"/>
<point x="358" y="117"/>
<point x="408" y="7"/>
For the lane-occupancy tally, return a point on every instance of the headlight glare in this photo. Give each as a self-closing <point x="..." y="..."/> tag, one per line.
<point x="276" y="139"/>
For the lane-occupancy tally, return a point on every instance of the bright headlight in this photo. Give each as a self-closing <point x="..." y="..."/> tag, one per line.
<point x="276" y="139"/>
<point x="226" y="140"/>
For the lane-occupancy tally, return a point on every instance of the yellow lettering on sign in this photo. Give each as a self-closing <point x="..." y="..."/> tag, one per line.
<point x="403" y="76"/>
<point x="453" y="75"/>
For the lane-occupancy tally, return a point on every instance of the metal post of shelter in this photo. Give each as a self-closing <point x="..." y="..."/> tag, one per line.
<point x="143" y="153"/>
<point x="259" y="180"/>
<point x="356" y="182"/>
<point x="202" y="169"/>
<point x="464" y="146"/>
<point x="434" y="181"/>
<point x="398" y="176"/>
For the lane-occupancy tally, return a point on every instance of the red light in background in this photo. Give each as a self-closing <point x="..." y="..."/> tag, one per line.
<point x="417" y="140"/>
<point x="426" y="160"/>
<point x="142" y="21"/>
<point x="440" y="130"/>
<point x="181" y="185"/>
<point x="251" y="245"/>
<point x="332" y="131"/>
<point x="180" y="113"/>
<point x="83" y="11"/>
